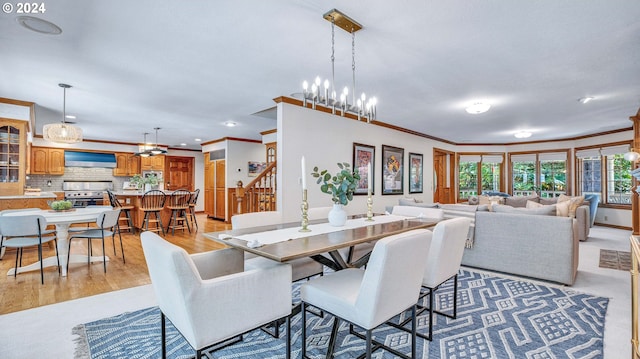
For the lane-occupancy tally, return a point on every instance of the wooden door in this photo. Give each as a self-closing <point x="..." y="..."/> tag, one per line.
<point x="220" y="188"/>
<point x="209" y="186"/>
<point x="443" y="164"/>
<point x="179" y="173"/>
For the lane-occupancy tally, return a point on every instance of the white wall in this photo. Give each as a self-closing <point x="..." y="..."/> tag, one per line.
<point x="238" y="156"/>
<point x="325" y="140"/>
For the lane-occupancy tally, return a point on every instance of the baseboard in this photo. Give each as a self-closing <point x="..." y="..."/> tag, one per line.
<point x="612" y="226"/>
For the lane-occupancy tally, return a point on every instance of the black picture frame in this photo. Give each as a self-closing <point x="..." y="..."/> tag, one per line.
<point x="362" y="156"/>
<point x="392" y="170"/>
<point x="416" y="173"/>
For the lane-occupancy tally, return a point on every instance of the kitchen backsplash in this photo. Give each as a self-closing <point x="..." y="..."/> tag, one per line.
<point x="75" y="174"/>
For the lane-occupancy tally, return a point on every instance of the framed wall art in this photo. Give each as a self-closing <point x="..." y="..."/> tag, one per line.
<point x="392" y="170"/>
<point x="255" y="168"/>
<point x="363" y="155"/>
<point x="415" y="173"/>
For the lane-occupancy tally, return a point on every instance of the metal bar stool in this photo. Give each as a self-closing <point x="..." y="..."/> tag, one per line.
<point x="124" y="209"/>
<point x="152" y="204"/>
<point x="179" y="205"/>
<point x="191" y="213"/>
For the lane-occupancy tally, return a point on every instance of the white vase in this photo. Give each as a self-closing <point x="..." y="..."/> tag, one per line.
<point x="337" y="216"/>
<point x="147" y="187"/>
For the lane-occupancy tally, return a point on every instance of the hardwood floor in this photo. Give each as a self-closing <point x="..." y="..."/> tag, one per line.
<point x="25" y="291"/>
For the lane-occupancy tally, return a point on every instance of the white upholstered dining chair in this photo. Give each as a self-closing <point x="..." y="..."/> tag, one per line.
<point x="443" y="263"/>
<point x="410" y="211"/>
<point x="367" y="298"/>
<point x="213" y="297"/>
<point x="301" y="268"/>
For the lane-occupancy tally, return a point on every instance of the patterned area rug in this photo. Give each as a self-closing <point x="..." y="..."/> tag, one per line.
<point x="497" y="318"/>
<point x="615" y="259"/>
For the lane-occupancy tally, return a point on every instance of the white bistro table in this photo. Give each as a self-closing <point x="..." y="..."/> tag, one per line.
<point x="62" y="221"/>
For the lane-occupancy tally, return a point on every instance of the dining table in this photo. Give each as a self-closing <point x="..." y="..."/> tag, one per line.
<point x="62" y="221"/>
<point x="285" y="242"/>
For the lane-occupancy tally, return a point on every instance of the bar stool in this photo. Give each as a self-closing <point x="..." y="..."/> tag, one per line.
<point x="152" y="204"/>
<point x="179" y="204"/>
<point x="191" y="213"/>
<point x="124" y="209"/>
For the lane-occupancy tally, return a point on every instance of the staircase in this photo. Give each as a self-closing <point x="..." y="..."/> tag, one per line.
<point x="259" y="195"/>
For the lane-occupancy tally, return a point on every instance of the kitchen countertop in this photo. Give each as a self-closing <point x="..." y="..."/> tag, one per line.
<point x="35" y="196"/>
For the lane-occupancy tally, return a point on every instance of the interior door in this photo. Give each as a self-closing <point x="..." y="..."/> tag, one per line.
<point x="444" y="176"/>
<point x="179" y="173"/>
<point x="220" y="189"/>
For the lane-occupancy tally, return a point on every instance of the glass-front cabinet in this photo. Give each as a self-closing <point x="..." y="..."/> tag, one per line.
<point x="12" y="157"/>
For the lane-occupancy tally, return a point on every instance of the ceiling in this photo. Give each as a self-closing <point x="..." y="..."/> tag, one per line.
<point x="189" y="66"/>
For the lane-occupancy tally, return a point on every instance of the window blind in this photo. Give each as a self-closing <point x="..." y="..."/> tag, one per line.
<point x="470" y="158"/>
<point x="524" y="158"/>
<point x="555" y="156"/>
<point x="591" y="152"/>
<point x="614" y="150"/>
<point x="492" y="158"/>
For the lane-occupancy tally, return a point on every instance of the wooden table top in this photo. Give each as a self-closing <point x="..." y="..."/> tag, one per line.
<point x="314" y="244"/>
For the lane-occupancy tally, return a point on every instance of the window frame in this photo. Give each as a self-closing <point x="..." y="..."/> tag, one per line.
<point x="537" y="168"/>
<point x="478" y="171"/>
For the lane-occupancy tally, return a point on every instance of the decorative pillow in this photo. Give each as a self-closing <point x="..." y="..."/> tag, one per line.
<point x="542" y="211"/>
<point x="574" y="203"/>
<point x="520" y="201"/>
<point x="474" y="200"/>
<point x="490" y="201"/>
<point x="532" y="204"/>
<point x="406" y="201"/>
<point x="562" y="209"/>
<point x="560" y="212"/>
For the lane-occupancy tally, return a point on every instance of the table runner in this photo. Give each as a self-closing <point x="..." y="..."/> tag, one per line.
<point x="285" y="234"/>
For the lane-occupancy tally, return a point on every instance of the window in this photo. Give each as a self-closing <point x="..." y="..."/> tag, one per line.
<point x="478" y="174"/>
<point x="544" y="173"/>
<point x="604" y="171"/>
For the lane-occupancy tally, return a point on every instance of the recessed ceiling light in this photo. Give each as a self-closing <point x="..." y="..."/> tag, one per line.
<point x="478" y="107"/>
<point x="198" y="140"/>
<point x="183" y="144"/>
<point x="585" y="99"/>
<point x="38" y="25"/>
<point x="522" y="134"/>
<point x="230" y="124"/>
<point x="70" y="116"/>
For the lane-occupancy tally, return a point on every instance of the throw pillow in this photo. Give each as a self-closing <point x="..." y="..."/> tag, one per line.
<point x="532" y="204"/>
<point x="490" y="201"/>
<point x="549" y="200"/>
<point x="520" y="201"/>
<point x="562" y="209"/>
<point x="474" y="200"/>
<point x="574" y="203"/>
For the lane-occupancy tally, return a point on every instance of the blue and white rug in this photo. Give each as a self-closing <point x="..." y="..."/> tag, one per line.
<point x="497" y="318"/>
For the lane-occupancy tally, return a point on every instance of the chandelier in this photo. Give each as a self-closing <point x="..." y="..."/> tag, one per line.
<point x="325" y="96"/>
<point x="62" y="132"/>
<point x="146" y="152"/>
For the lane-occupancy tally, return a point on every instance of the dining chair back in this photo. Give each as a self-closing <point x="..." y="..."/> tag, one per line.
<point x="152" y="203"/>
<point x="24" y="231"/>
<point x="192" y="208"/>
<point x="106" y="225"/>
<point x="211" y="297"/>
<point x="179" y="205"/>
<point x="418" y="212"/>
<point x="125" y="222"/>
<point x="389" y="286"/>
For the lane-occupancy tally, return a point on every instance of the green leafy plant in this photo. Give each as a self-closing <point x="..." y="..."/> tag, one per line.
<point x="140" y="181"/>
<point x="61" y="205"/>
<point x="340" y="186"/>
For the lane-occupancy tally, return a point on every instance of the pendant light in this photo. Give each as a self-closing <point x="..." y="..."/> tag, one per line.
<point x="144" y="152"/>
<point x="62" y="132"/>
<point x="157" y="150"/>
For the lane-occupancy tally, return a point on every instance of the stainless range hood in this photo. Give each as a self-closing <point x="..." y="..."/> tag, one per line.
<point x="89" y="159"/>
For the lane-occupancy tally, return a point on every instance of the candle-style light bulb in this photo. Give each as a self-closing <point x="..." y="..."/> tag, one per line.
<point x="305" y="86"/>
<point x="314" y="89"/>
<point x="363" y="97"/>
<point x="318" y="82"/>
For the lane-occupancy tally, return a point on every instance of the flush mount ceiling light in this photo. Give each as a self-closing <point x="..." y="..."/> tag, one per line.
<point x="522" y="134"/>
<point x="62" y="132"/>
<point x="584" y="100"/>
<point x="359" y="106"/>
<point x="632" y="155"/>
<point x="478" y="108"/>
<point x="38" y="25"/>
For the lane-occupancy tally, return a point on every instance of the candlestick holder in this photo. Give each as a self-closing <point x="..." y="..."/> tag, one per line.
<point x="305" y="217"/>
<point x="369" y="208"/>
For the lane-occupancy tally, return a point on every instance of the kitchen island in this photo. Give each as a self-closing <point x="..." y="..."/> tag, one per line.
<point x="134" y="198"/>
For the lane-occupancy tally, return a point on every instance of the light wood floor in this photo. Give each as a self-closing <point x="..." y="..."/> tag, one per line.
<point x="25" y="291"/>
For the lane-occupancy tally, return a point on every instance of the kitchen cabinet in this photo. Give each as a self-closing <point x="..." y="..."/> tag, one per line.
<point x="13" y="154"/>
<point x="152" y="163"/>
<point x="47" y="161"/>
<point x="127" y="164"/>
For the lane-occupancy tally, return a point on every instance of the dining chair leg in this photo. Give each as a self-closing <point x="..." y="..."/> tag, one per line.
<point x="15" y="271"/>
<point x="368" y="350"/>
<point x="104" y="256"/>
<point x="121" y="247"/>
<point x="55" y="243"/>
<point x="413" y="331"/>
<point x="288" y="338"/>
<point x="41" y="264"/>
<point x="304" y="330"/>
<point x="163" y="335"/>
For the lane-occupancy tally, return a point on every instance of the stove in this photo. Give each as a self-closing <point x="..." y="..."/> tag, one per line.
<point x="86" y="193"/>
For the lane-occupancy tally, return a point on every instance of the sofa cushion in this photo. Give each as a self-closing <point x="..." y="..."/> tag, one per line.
<point x="406" y="201"/>
<point x="520" y="201"/>
<point x="574" y="203"/>
<point x="562" y="209"/>
<point x="542" y="211"/>
<point x="548" y="201"/>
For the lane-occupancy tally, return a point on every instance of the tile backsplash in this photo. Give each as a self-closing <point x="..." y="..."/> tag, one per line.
<point x="75" y="174"/>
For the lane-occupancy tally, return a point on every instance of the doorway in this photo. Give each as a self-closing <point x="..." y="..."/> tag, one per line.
<point x="444" y="176"/>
